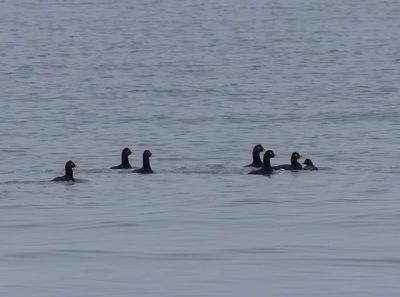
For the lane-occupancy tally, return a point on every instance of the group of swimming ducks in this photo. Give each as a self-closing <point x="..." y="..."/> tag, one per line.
<point x="145" y="169"/>
<point x="264" y="166"/>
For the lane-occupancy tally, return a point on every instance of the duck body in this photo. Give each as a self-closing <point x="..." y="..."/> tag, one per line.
<point x="146" y="168"/>
<point x="69" y="175"/>
<point x="294" y="164"/>
<point x="143" y="170"/>
<point x="309" y="165"/>
<point x="124" y="160"/>
<point x="257" y="163"/>
<point x="63" y="178"/>
<point x="266" y="168"/>
<point x="122" y="166"/>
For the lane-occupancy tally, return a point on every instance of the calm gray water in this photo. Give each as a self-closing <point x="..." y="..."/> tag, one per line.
<point x="199" y="83"/>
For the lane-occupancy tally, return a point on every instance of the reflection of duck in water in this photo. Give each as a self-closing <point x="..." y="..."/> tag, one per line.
<point x="69" y="175"/>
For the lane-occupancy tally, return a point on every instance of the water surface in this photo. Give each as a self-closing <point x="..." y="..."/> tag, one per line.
<point x="199" y="83"/>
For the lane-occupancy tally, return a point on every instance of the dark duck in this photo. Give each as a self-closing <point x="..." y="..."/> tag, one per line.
<point x="146" y="169"/>
<point x="294" y="164"/>
<point x="309" y="165"/>
<point x="69" y="175"/>
<point x="257" y="150"/>
<point x="124" y="159"/>
<point x="266" y="168"/>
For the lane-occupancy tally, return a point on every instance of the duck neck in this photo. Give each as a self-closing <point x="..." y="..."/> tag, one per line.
<point x="124" y="160"/>
<point x="68" y="172"/>
<point x="146" y="162"/>
<point x="267" y="164"/>
<point x="296" y="164"/>
<point x="256" y="158"/>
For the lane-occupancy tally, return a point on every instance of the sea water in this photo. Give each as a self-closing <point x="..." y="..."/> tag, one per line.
<point x="199" y="83"/>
